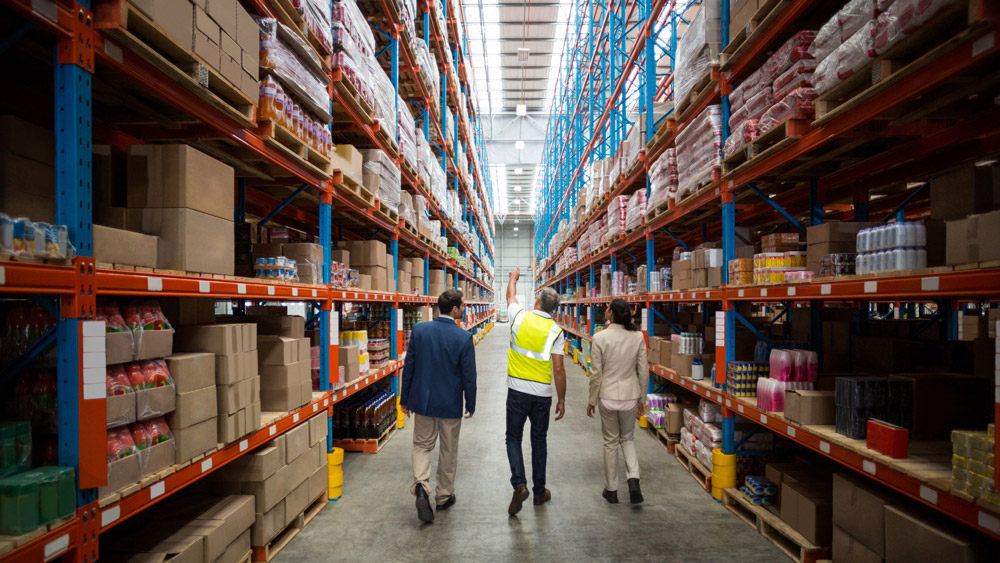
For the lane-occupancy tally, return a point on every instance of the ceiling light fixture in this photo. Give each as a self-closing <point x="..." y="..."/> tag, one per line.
<point x="522" y="55"/>
<point x="515" y="228"/>
<point x="521" y="110"/>
<point x="519" y="145"/>
<point x="517" y="188"/>
<point x="518" y="170"/>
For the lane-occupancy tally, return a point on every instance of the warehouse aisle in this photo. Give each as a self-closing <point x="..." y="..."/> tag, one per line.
<point x="376" y="519"/>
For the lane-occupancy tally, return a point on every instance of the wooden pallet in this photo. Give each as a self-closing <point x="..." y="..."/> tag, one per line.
<point x="695" y="93"/>
<point x="904" y="58"/>
<point x="358" y="192"/>
<point x="349" y="93"/>
<point x="695" y="468"/>
<point x="410" y="229"/>
<point x="138" y="33"/>
<point x="759" y="23"/>
<point x="265" y="553"/>
<point x="667" y="128"/>
<point x="767" y="524"/>
<point x="668" y="442"/>
<point x="285" y="141"/>
<point x="704" y="184"/>
<point x="289" y="15"/>
<point x="366" y="446"/>
<point x="387" y="141"/>
<point x="777" y="138"/>
<point x="653" y="212"/>
<point x="387" y="214"/>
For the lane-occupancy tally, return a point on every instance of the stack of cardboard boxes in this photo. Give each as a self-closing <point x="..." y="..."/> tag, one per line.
<point x="436" y="282"/>
<point x="27" y="170"/>
<point x="372" y="262"/>
<point x="286" y="376"/>
<point x="284" y="475"/>
<point x="193" y="421"/>
<point x="220" y="32"/>
<point x="191" y="528"/>
<point x="182" y="199"/>
<point x="349" y="368"/>
<point x="968" y="199"/>
<point x="831" y="238"/>
<point x="308" y="259"/>
<point x="805" y="496"/>
<point x="682" y="272"/>
<point x="237" y="383"/>
<point x="706" y="267"/>
<point x="417" y="275"/>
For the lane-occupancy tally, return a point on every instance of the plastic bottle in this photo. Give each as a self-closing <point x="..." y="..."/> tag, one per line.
<point x="697" y="369"/>
<point x="921" y="236"/>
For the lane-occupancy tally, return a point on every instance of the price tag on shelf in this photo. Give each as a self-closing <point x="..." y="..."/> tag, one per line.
<point x="314" y="293"/>
<point x="871" y="286"/>
<point x="791" y="292"/>
<point x="825" y="289"/>
<point x="270" y="290"/>
<point x="111" y="515"/>
<point x="763" y="292"/>
<point x="399" y="319"/>
<point x="739" y="408"/>
<point x="157" y="490"/>
<point x="928" y="494"/>
<point x="56" y="546"/>
<point x="244" y="444"/>
<point x="154" y="284"/>
<point x="326" y="402"/>
<point x="824" y="447"/>
<point x="206" y="465"/>
<point x="763" y="419"/>
<point x="740" y="292"/>
<point x="932" y="283"/>
<point x="334" y="328"/>
<point x="241" y="288"/>
<point x="204" y="287"/>
<point x="988" y="521"/>
<point x="869" y="466"/>
<point x="295" y="292"/>
<point x="295" y="417"/>
<point x="791" y="431"/>
<point x="272" y="430"/>
<point x="315" y="407"/>
<point x="3" y="276"/>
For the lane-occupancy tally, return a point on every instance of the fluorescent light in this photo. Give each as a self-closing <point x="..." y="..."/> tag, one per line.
<point x="515" y="228"/>
<point x="515" y="234"/>
<point x="519" y="145"/>
<point x="517" y="188"/>
<point x="518" y="170"/>
<point x="522" y="110"/>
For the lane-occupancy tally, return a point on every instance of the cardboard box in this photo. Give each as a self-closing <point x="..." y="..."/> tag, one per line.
<point x="233" y="368"/>
<point x="267" y="524"/>
<point x="859" y="510"/>
<point x="364" y="282"/>
<point x="233" y="426"/>
<point x="915" y="535"/>
<point x="157" y="457"/>
<point x="934" y="418"/>
<point x="221" y="340"/>
<point x="236" y="550"/>
<point x="847" y="548"/>
<point x="27" y="140"/>
<point x="742" y="11"/>
<point x="224" y="13"/>
<point x="183" y="311"/>
<point x="277" y="350"/>
<point x="117" y="246"/>
<point x="247" y="32"/>
<point x="175" y="20"/>
<point x="965" y="190"/>
<point x="297" y="500"/>
<point x="182" y="234"/>
<point x="234" y="397"/>
<point x="191" y="371"/>
<point x="810" y="407"/>
<point x="153" y="344"/>
<point x="342" y="256"/>
<point x="675" y="417"/>
<point x="207" y="49"/>
<point x="35" y="183"/>
<point x="349" y="161"/>
<point x="258" y="466"/>
<point x="194" y="407"/>
<point x="179" y="176"/>
<point x="973" y="239"/>
<point x="270" y="491"/>
<point x="319" y="483"/>
<point x="118" y="347"/>
<point x="283" y="399"/>
<point x="296" y="442"/>
<point x="153" y="402"/>
<point x="121" y="409"/>
<point x="195" y="439"/>
<point x="318" y="430"/>
<point x="205" y="24"/>
<point x="121" y="473"/>
<point x="971" y="327"/>
<point x="808" y="508"/>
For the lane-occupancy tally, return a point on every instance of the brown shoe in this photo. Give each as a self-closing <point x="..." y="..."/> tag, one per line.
<point x="539" y="501"/>
<point x="521" y="494"/>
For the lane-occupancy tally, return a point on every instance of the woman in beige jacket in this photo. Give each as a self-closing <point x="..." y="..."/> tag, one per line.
<point x="619" y="376"/>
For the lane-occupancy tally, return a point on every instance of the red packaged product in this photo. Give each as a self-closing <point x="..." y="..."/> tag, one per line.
<point x="744" y="133"/>
<point x="798" y="76"/>
<point x="136" y="378"/>
<point x="158" y="430"/>
<point x="795" y="49"/>
<point x="140" y="437"/>
<point x="120" y="444"/>
<point x="117" y="381"/>
<point x="758" y="104"/>
<point x="155" y="373"/>
<point x="798" y="103"/>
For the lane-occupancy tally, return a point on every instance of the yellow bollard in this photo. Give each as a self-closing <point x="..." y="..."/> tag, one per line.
<point x="642" y="422"/>
<point x="576" y="358"/>
<point x="335" y="473"/>
<point x="723" y="472"/>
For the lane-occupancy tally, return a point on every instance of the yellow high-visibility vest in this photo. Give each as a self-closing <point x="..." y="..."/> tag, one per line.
<point x="529" y="356"/>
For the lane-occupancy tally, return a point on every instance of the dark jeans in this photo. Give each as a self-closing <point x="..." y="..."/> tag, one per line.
<point x="522" y="407"/>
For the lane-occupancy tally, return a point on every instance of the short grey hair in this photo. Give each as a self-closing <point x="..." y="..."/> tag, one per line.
<point x="548" y="299"/>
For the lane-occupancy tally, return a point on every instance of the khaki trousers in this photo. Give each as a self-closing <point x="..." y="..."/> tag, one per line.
<point x="426" y="431"/>
<point x="619" y="435"/>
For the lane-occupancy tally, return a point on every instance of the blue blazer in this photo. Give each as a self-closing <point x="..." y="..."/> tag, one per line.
<point x="440" y="368"/>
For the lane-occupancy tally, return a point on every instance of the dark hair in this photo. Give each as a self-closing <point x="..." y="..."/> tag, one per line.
<point x="449" y="300"/>
<point x="623" y="314"/>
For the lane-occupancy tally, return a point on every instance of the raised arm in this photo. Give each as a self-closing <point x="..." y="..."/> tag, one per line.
<point x="512" y="286"/>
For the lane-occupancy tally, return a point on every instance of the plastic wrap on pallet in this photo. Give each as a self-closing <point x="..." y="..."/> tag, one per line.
<point x="634" y="142"/>
<point x="317" y="16"/>
<point x="843" y="62"/>
<point x="798" y="103"/>
<point x="406" y="211"/>
<point x="662" y="178"/>
<point x="911" y="15"/>
<point x="698" y="49"/>
<point x="617" y="211"/>
<point x="792" y="51"/>
<point x="744" y="90"/>
<point x="385" y="98"/>
<point x="742" y="135"/>
<point x="799" y="75"/>
<point x="347" y="16"/>
<point x="704" y="454"/>
<point x="636" y="210"/>
<point x="284" y="60"/>
<point x="407" y="134"/>
<point x="699" y="150"/>
<point x="276" y="105"/>
<point x="709" y="411"/>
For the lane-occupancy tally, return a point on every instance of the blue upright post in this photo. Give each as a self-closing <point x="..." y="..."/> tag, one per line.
<point x="815" y="305"/>
<point x="728" y="252"/>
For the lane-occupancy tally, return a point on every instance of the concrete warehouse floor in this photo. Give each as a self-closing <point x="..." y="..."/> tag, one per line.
<point x="376" y="520"/>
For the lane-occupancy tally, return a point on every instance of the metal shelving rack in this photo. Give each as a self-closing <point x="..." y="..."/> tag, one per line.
<point x="82" y="44"/>
<point x="589" y="122"/>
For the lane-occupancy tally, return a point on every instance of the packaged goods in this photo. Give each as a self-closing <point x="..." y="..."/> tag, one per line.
<point x="861" y="398"/>
<point x="793" y="50"/>
<point x="276" y="105"/>
<point x="296" y="65"/>
<point x="744" y="133"/>
<point x="797" y="104"/>
<point x="698" y="48"/>
<point x="699" y="151"/>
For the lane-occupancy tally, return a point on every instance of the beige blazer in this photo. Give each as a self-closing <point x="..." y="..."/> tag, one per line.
<point x="618" y="367"/>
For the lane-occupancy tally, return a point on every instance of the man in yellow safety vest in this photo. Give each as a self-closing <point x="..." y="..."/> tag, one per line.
<point x="534" y="361"/>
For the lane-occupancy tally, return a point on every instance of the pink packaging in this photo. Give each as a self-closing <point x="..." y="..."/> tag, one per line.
<point x="743" y="134"/>
<point x="798" y="76"/>
<point x="798" y="103"/>
<point x="795" y="49"/>
<point x="781" y="365"/>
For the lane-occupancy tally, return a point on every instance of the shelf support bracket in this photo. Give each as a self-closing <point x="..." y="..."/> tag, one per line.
<point x="795" y="222"/>
<point x="676" y="238"/>
<point x="752" y="329"/>
<point x="900" y="209"/>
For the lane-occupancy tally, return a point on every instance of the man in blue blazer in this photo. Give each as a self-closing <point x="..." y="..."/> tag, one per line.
<point x="440" y="369"/>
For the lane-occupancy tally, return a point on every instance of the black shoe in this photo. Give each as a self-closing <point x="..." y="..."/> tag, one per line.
<point x="634" y="493"/>
<point x="447" y="504"/>
<point x="521" y="494"/>
<point x="546" y="497"/>
<point x="610" y="496"/>
<point x="424" y="512"/>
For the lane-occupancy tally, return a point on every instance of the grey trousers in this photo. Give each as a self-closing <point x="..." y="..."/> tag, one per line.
<point x="619" y="436"/>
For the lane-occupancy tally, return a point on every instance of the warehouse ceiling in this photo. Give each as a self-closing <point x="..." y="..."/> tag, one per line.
<point x="515" y="48"/>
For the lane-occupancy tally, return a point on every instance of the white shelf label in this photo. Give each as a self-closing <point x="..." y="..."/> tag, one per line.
<point x="791" y="292"/>
<point x="763" y="292"/>
<point x="3" y="276"/>
<point x="763" y="419"/>
<point x="869" y="466"/>
<point x="791" y="431"/>
<point x="825" y="289"/>
<point x="739" y="408"/>
<point x="928" y="494"/>
<point x="314" y="293"/>
<point x="241" y="288"/>
<point x="824" y="447"/>
<point x="932" y="283"/>
<point x="204" y="287"/>
<point x="272" y="430"/>
<point x="988" y="521"/>
<point x="326" y="402"/>
<point x="399" y="320"/>
<point x="295" y="417"/>
<point x="111" y="515"/>
<point x="154" y="284"/>
<point x="871" y="286"/>
<point x="244" y="444"/>
<point x="334" y="328"/>
<point x="206" y="465"/>
<point x="315" y="407"/>
<point x="983" y="44"/>
<point x="57" y="546"/>
<point x="741" y="293"/>
<point x="295" y="292"/>
<point x="157" y="489"/>
<point x="645" y="318"/>
<point x="270" y="290"/>
<point x="729" y="403"/>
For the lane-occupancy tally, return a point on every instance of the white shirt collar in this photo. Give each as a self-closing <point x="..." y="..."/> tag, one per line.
<point x="541" y="313"/>
<point x="449" y="317"/>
